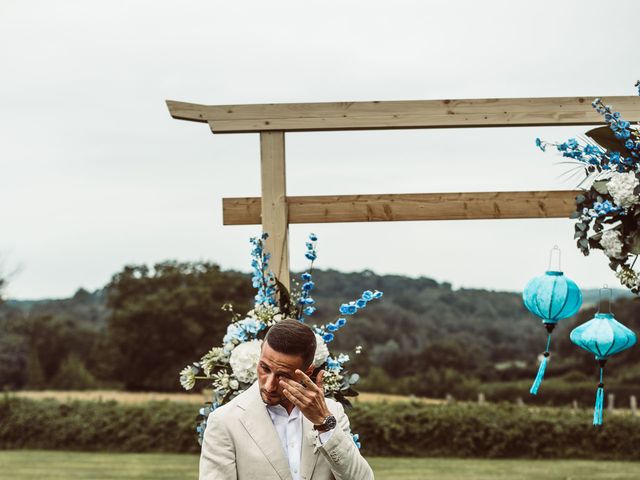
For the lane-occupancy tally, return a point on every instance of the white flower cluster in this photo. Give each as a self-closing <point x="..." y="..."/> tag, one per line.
<point x="628" y="277"/>
<point x="244" y="361"/>
<point x="267" y="314"/>
<point x="621" y="187"/>
<point x="188" y="377"/>
<point x="223" y="381"/>
<point x="332" y="381"/>
<point x="611" y="243"/>
<point x="217" y="356"/>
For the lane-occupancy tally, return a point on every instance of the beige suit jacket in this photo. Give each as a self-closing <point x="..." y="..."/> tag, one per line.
<point x="241" y="443"/>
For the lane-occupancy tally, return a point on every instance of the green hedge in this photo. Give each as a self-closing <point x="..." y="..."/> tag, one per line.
<point x="398" y="429"/>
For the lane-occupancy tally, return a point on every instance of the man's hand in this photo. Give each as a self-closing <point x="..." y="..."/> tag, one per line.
<point x="307" y="396"/>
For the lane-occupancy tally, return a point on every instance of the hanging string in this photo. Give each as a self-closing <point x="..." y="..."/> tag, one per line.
<point x="555" y="249"/>
<point x="541" y="369"/>
<point x="605" y="287"/>
<point x="597" y="411"/>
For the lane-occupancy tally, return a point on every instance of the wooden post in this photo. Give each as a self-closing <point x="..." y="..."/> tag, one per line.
<point x="449" y="399"/>
<point x="633" y="403"/>
<point x="611" y="402"/>
<point x="574" y="404"/>
<point x="519" y="402"/>
<point x="481" y="399"/>
<point x="275" y="219"/>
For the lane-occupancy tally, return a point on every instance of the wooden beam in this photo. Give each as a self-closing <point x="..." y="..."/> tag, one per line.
<point x="465" y="113"/>
<point x="409" y="207"/>
<point x="272" y="212"/>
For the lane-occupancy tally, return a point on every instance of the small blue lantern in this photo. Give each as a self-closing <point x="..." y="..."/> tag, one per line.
<point x="552" y="297"/>
<point x="603" y="336"/>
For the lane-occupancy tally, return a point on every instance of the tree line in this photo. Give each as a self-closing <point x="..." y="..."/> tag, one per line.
<point x="423" y="337"/>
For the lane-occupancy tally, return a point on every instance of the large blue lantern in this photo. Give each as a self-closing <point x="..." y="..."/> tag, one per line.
<point x="603" y="336"/>
<point x="552" y="297"/>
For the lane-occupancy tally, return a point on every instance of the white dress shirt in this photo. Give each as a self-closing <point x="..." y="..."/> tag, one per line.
<point x="289" y="428"/>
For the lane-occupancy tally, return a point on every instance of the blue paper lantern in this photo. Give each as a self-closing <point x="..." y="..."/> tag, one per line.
<point x="603" y="336"/>
<point x="552" y="297"/>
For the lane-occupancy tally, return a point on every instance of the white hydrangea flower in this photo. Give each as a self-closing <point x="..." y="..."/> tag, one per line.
<point x="621" y="186"/>
<point x="244" y="361"/>
<point x="611" y="243"/>
<point x="322" y="352"/>
<point x="188" y="377"/>
<point x="233" y="384"/>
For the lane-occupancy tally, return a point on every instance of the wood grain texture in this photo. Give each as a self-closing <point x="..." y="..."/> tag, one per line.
<point x="462" y="113"/>
<point x="273" y="211"/>
<point x="409" y="207"/>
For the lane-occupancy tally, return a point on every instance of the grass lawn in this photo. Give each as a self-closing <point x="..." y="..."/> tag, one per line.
<point x="31" y="465"/>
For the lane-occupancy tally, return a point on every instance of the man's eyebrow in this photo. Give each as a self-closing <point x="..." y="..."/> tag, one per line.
<point x="283" y="373"/>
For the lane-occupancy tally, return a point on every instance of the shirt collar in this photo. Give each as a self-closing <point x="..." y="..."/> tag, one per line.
<point x="282" y="412"/>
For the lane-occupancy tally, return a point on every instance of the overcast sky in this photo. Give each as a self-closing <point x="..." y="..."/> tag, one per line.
<point x="95" y="174"/>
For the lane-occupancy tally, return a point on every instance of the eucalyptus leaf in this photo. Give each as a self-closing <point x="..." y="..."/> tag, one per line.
<point x="601" y="187"/>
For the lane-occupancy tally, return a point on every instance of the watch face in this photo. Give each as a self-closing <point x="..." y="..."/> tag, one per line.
<point x="330" y="422"/>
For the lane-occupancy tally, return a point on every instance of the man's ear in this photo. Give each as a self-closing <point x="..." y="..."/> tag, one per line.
<point x="310" y="370"/>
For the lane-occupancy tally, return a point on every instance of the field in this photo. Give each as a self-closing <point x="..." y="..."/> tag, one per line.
<point x="31" y="465"/>
<point x="195" y="398"/>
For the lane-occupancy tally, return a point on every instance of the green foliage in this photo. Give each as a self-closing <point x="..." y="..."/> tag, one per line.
<point x="35" y="374"/>
<point x="161" y="316"/>
<point x="73" y="375"/>
<point x="398" y="429"/>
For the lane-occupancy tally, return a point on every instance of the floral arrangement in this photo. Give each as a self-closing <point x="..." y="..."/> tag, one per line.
<point x="608" y="209"/>
<point x="231" y="368"/>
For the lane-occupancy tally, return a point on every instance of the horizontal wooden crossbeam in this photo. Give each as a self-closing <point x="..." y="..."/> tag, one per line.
<point x="409" y="207"/>
<point x="490" y="112"/>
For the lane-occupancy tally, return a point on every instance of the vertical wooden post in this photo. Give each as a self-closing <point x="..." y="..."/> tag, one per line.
<point x="633" y="404"/>
<point x="611" y="402"/>
<point x="275" y="219"/>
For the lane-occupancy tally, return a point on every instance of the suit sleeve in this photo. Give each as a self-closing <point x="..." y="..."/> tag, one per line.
<point x="218" y="455"/>
<point x="342" y="453"/>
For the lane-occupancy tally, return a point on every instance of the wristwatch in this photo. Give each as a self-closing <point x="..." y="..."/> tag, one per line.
<point x="329" y="423"/>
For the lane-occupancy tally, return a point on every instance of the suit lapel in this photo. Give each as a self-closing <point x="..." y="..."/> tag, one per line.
<point x="309" y="450"/>
<point x="258" y="424"/>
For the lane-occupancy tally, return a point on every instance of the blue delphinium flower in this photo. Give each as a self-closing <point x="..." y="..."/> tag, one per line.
<point x="604" y="208"/>
<point x="262" y="279"/>
<point x="356" y="439"/>
<point x="327" y="337"/>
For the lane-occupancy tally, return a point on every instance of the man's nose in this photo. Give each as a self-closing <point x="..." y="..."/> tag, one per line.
<point x="272" y="383"/>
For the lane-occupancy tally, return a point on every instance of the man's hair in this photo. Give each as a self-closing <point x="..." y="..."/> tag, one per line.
<point x="292" y="337"/>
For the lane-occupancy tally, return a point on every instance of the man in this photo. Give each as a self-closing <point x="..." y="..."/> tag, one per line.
<point x="282" y="427"/>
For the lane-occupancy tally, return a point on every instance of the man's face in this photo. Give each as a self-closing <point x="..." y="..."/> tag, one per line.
<point x="274" y="366"/>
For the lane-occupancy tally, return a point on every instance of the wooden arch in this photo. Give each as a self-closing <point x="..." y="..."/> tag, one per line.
<point x="275" y="211"/>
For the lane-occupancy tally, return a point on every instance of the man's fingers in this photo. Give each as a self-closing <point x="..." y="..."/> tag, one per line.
<point x="306" y="380"/>
<point x="291" y="383"/>
<point x="291" y="397"/>
<point x="320" y="380"/>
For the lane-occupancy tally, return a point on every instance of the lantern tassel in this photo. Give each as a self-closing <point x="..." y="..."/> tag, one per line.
<point x="597" y="411"/>
<point x="541" y="369"/>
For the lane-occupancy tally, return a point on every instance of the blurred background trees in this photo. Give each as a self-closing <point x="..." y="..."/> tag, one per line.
<point x="423" y="338"/>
